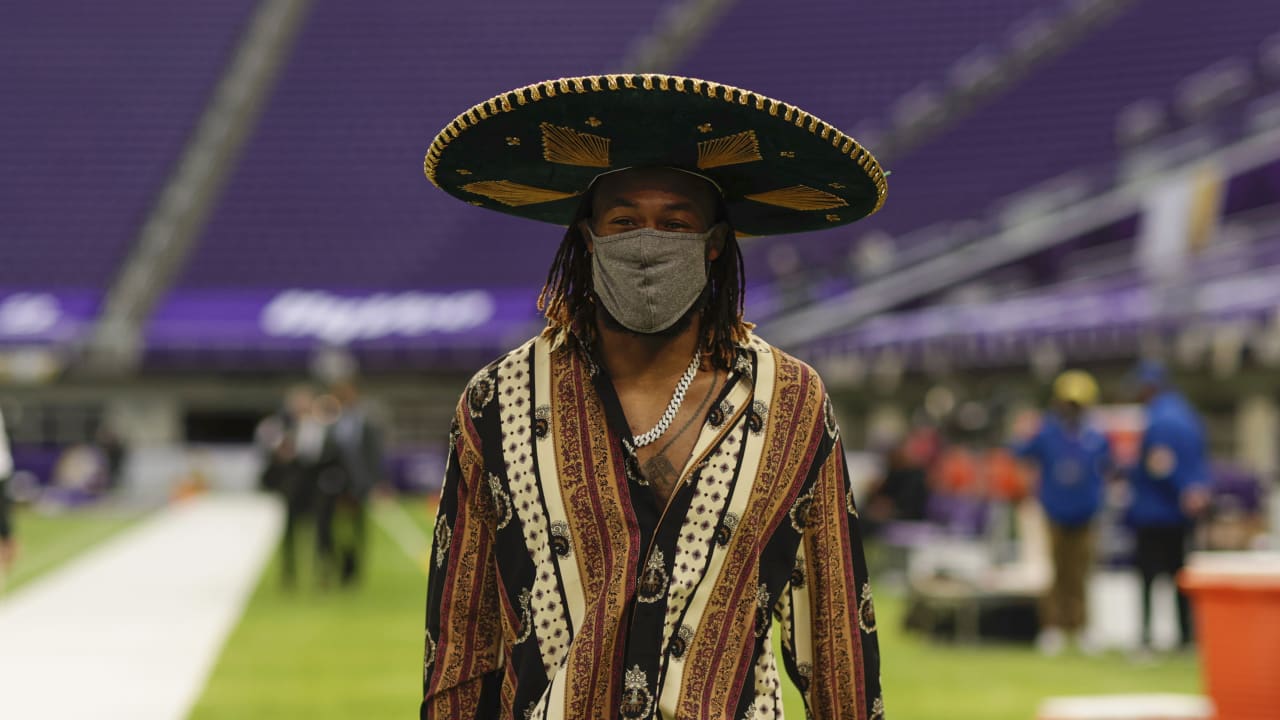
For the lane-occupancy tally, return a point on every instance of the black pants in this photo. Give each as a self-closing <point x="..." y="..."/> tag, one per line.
<point x="1163" y="551"/>
<point x="296" y="513"/>
<point x="294" y="482"/>
<point x="6" y="526"/>
<point x="340" y="537"/>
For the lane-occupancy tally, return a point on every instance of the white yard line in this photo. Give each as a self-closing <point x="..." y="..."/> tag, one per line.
<point x="405" y="532"/>
<point x="132" y="629"/>
<point x="33" y="563"/>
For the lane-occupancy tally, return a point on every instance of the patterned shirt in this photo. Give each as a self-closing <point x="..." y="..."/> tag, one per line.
<point x="560" y="588"/>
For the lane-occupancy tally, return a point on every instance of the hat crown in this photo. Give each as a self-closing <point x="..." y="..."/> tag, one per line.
<point x="535" y="150"/>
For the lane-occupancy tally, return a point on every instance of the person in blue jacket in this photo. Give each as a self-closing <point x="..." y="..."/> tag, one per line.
<point x="1169" y="488"/>
<point x="1072" y="459"/>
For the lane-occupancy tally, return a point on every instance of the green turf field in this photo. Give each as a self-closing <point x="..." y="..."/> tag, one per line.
<point x="925" y="681"/>
<point x="306" y="653"/>
<point x="313" y="655"/>
<point x="46" y="540"/>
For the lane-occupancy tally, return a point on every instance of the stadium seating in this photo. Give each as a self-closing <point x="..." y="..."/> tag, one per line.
<point x="849" y="63"/>
<point x="1059" y="124"/>
<point x="853" y="67"/>
<point x="1108" y="315"/>
<point x="329" y="197"/>
<point x="100" y="99"/>
<point x="331" y="193"/>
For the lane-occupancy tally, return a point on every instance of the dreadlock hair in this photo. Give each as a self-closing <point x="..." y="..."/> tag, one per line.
<point x="568" y="298"/>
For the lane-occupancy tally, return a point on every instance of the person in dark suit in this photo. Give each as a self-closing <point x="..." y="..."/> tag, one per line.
<point x="292" y="439"/>
<point x="352" y="467"/>
<point x="8" y="546"/>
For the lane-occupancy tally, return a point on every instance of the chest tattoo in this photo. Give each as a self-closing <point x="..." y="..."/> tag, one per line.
<point x="661" y="474"/>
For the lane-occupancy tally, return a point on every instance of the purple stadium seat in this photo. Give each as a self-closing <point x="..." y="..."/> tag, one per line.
<point x="1062" y="117"/>
<point x="99" y="100"/>
<point x="330" y="192"/>
<point x="851" y="65"/>
<point x="1059" y="118"/>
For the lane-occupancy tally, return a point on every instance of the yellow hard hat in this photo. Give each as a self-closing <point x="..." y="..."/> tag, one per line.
<point x="1076" y="386"/>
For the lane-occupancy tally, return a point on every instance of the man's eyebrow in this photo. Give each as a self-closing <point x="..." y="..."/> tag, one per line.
<point x="618" y="202"/>
<point x="678" y="206"/>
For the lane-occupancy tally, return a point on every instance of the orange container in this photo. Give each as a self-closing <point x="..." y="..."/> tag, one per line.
<point x="1236" y="597"/>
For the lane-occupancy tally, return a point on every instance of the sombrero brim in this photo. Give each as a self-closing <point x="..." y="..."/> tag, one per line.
<point x="534" y="150"/>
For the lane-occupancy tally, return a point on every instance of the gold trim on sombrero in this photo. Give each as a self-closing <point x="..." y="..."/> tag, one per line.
<point x="567" y="146"/>
<point x="515" y="194"/>
<point x="799" y="197"/>
<point x="604" y="83"/>
<point x="730" y="150"/>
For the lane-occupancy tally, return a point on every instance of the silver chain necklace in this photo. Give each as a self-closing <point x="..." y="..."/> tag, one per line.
<point x="673" y="407"/>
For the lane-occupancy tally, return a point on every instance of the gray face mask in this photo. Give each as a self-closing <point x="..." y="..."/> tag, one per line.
<point x="648" y="279"/>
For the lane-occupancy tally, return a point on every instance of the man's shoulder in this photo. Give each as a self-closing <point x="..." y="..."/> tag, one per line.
<point x="795" y="378"/>
<point x="481" y="389"/>
<point x="490" y="369"/>
<point x="791" y="368"/>
<point x="1172" y="418"/>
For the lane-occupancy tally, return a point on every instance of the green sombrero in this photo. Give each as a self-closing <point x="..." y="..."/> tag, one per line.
<point x="534" y="150"/>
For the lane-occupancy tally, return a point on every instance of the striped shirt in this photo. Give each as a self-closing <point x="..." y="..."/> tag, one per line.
<point x="561" y="589"/>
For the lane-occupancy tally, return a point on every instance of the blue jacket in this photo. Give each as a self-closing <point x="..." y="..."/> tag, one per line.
<point x="1072" y="465"/>
<point x="1173" y="459"/>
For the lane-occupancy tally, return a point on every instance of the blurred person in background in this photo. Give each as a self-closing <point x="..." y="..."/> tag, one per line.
<point x="1072" y="460"/>
<point x="113" y="451"/>
<point x="1169" y="488"/>
<point x="291" y="440"/>
<point x="633" y="495"/>
<point x="353" y="467"/>
<point x="902" y="492"/>
<point x="8" y="546"/>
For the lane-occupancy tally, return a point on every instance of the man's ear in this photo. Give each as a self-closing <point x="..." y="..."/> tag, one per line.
<point x="584" y="229"/>
<point x="715" y="243"/>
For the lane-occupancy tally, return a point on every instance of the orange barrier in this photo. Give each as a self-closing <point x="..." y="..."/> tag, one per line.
<point x="993" y="473"/>
<point x="1237" y="608"/>
<point x="1007" y="478"/>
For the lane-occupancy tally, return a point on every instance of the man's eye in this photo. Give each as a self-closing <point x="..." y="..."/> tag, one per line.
<point x="622" y="221"/>
<point x="677" y="225"/>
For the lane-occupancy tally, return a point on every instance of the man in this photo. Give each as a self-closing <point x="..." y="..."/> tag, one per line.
<point x="290" y="440"/>
<point x="1169" y="487"/>
<point x="354" y="469"/>
<point x="8" y="546"/>
<point x="902" y="494"/>
<point x="633" y="497"/>
<point x="113" y="451"/>
<point x="1071" y="459"/>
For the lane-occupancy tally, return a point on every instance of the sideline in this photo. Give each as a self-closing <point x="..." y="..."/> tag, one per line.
<point x="131" y="629"/>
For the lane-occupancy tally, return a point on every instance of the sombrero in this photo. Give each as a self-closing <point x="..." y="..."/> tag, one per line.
<point x="534" y="150"/>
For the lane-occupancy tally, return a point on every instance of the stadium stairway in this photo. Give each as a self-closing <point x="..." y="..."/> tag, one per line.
<point x="131" y="630"/>
<point x="169" y="231"/>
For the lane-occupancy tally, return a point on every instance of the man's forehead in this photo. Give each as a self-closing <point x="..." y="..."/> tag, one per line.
<point x="661" y="179"/>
